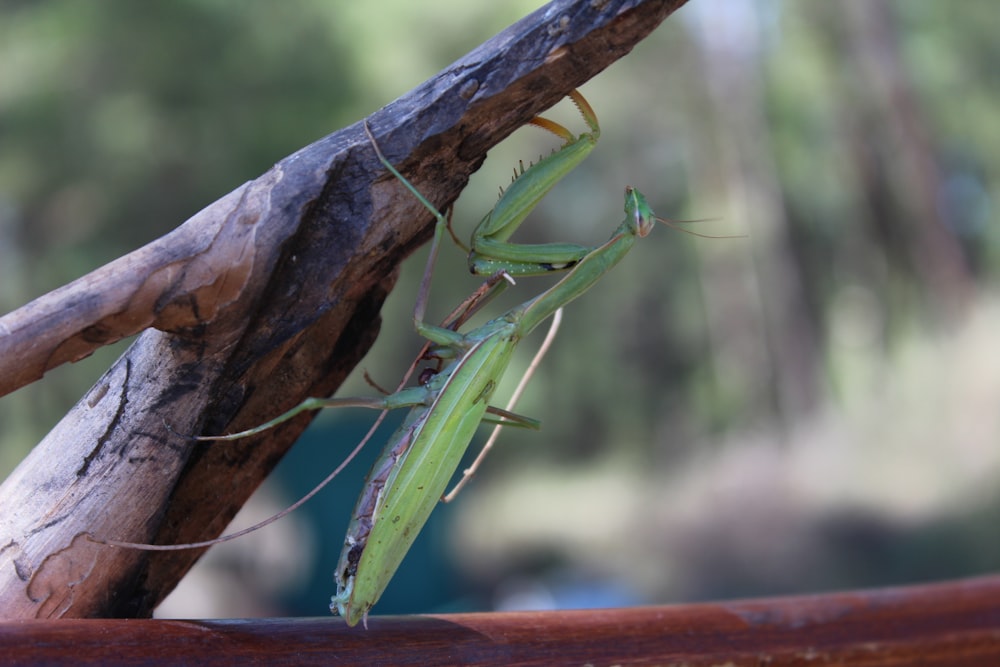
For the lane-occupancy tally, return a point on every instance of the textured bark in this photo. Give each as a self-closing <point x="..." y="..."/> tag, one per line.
<point x="268" y="295"/>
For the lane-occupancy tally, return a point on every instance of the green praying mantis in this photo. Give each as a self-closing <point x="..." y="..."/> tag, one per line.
<point x="449" y="404"/>
<point x="422" y="456"/>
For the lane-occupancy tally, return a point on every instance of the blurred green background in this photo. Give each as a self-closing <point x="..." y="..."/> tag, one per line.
<point x="813" y="406"/>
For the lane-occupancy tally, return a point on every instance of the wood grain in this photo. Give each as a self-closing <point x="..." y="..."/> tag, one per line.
<point x="953" y="625"/>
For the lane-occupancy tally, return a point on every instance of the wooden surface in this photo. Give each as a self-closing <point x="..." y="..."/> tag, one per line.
<point x="952" y="624"/>
<point x="266" y="296"/>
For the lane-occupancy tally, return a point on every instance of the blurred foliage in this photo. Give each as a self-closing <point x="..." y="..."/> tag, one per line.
<point x="811" y="406"/>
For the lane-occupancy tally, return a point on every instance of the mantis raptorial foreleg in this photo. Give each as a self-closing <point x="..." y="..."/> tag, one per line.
<point x="490" y="251"/>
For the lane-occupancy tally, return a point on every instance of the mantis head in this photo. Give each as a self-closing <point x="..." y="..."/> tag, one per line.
<point x="638" y="211"/>
<point x="643" y="219"/>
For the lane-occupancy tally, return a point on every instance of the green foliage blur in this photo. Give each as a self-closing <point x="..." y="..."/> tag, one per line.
<point x="811" y="404"/>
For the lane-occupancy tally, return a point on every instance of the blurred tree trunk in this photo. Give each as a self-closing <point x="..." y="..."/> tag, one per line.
<point x="895" y="159"/>
<point x="776" y="303"/>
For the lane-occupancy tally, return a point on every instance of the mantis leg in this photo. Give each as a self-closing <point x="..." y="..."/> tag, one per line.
<point x="420" y="307"/>
<point x="491" y="250"/>
<point x="401" y="399"/>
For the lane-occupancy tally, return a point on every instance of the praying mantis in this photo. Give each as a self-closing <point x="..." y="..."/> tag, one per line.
<point x="416" y="465"/>
<point x="448" y="405"/>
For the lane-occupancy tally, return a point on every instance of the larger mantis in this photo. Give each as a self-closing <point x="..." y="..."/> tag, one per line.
<point x="409" y="477"/>
<point x="416" y="465"/>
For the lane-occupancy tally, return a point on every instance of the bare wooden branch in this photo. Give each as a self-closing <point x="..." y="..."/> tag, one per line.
<point x="268" y="295"/>
<point x="948" y="625"/>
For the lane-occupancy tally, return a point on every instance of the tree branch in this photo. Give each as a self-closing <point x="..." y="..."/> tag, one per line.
<point x="268" y="295"/>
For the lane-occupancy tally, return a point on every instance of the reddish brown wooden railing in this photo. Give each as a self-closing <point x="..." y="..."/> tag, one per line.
<point x="951" y="624"/>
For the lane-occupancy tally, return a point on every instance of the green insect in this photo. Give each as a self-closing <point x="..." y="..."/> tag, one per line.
<point x="422" y="456"/>
<point x="447" y="407"/>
